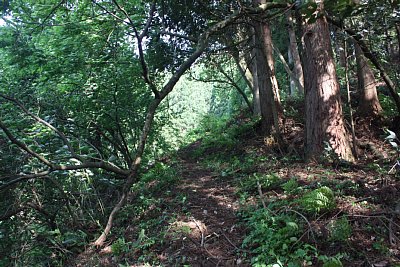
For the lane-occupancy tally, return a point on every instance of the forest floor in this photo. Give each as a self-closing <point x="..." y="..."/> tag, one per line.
<point x="203" y="218"/>
<point x="205" y="230"/>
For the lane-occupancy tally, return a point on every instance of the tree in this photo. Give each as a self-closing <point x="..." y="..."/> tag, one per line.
<point x="102" y="73"/>
<point x="369" y="102"/>
<point x="294" y="57"/>
<point x="324" y="118"/>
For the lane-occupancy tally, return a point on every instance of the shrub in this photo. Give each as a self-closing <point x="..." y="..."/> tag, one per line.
<point x="274" y="240"/>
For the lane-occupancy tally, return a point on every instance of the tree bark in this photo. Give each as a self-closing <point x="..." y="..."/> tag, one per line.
<point x="254" y="62"/>
<point x="324" y="118"/>
<point x="295" y="59"/>
<point x="369" y="102"/>
<point x="269" y="55"/>
<point x="264" y="85"/>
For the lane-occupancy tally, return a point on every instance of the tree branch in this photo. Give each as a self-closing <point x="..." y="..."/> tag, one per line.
<point x="24" y="147"/>
<point x="139" y="37"/>
<point x="167" y="88"/>
<point x="45" y="123"/>
<point x="185" y="37"/>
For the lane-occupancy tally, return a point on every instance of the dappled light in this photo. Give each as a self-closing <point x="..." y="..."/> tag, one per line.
<point x="199" y="133"/>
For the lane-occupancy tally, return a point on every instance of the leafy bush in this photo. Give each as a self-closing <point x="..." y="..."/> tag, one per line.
<point x="318" y="200"/>
<point x="274" y="240"/>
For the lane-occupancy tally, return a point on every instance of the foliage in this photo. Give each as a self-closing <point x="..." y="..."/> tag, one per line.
<point x="274" y="239"/>
<point x="318" y="200"/>
<point x="220" y="134"/>
<point x="340" y="229"/>
<point x="265" y="181"/>
<point x="334" y="261"/>
<point x="291" y="187"/>
<point x="77" y="66"/>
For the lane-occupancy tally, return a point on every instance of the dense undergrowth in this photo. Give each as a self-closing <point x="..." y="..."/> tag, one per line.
<point x="292" y="214"/>
<point x="295" y="214"/>
<point x="300" y="214"/>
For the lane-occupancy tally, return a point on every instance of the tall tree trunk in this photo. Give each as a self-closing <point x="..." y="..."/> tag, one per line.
<point x="369" y="102"/>
<point x="324" y="118"/>
<point x="398" y="40"/>
<point x="264" y="59"/>
<point x="269" y="54"/>
<point x="294" y="58"/>
<point x="266" y="99"/>
<point x="254" y="62"/>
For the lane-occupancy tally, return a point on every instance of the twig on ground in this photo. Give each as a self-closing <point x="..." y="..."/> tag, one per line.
<point x="304" y="217"/>
<point x="201" y="231"/>
<point x="230" y="242"/>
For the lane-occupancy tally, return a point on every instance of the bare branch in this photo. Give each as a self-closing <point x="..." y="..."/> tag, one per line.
<point x="149" y="20"/>
<point x="92" y="165"/>
<point x="86" y="165"/>
<point x="287" y="68"/>
<point x="54" y="9"/>
<point x="235" y="85"/>
<point x="11" y="213"/>
<point x="128" y="157"/>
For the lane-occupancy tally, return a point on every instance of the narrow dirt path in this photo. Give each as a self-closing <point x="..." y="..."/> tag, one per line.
<point x="210" y="233"/>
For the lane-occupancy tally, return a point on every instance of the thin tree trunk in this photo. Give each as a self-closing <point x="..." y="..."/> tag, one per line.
<point x="295" y="57"/>
<point x="346" y="72"/>
<point x="369" y="102"/>
<point x="324" y="118"/>
<point x="398" y="40"/>
<point x="293" y="78"/>
<point x="253" y="62"/>
<point x="244" y="71"/>
<point x="367" y="53"/>
<point x="269" y="54"/>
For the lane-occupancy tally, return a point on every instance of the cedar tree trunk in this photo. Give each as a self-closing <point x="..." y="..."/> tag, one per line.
<point x="369" y="102"/>
<point x="294" y="58"/>
<point x="324" y="118"/>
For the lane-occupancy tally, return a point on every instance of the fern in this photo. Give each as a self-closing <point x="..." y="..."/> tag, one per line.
<point x="321" y="199"/>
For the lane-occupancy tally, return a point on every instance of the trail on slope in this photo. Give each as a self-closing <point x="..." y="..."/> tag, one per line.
<point x="212" y="235"/>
